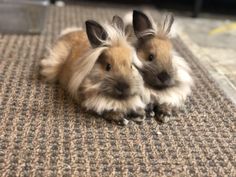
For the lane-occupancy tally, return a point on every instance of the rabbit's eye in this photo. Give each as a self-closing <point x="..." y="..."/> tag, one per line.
<point x="108" y="67"/>
<point x="131" y="67"/>
<point x="151" y="57"/>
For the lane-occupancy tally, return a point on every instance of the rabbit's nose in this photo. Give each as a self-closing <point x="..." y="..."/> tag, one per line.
<point x="164" y="77"/>
<point x="121" y="88"/>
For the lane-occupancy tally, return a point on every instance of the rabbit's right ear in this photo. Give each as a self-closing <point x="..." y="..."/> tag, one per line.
<point x="96" y="33"/>
<point x="168" y="22"/>
<point x="118" y="22"/>
<point x="141" y="23"/>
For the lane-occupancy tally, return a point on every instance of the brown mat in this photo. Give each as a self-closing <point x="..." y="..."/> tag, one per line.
<point x="43" y="133"/>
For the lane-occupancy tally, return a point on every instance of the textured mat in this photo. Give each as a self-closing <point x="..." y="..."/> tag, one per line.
<point x="43" y="133"/>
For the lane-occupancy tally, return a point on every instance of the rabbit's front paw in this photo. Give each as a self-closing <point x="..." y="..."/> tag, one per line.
<point x="164" y="117"/>
<point x="150" y="110"/>
<point x="123" y="122"/>
<point x="163" y="113"/>
<point x="138" y="116"/>
<point x="117" y="117"/>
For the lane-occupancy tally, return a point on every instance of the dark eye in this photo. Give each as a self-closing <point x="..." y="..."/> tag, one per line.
<point x="151" y="57"/>
<point x="131" y="67"/>
<point x="108" y="67"/>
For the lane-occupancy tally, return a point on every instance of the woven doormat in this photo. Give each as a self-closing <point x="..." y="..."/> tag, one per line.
<point x="44" y="133"/>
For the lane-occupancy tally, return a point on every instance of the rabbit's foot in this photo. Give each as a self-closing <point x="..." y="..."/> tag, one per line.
<point x="150" y="110"/>
<point x="163" y="113"/>
<point x="137" y="116"/>
<point x="117" y="117"/>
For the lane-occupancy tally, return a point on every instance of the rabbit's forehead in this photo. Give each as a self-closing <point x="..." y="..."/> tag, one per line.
<point x="160" y="47"/>
<point x="120" y="55"/>
<point x="158" y="44"/>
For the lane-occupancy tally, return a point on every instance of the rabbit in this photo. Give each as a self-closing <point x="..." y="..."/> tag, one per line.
<point x="95" y="67"/>
<point x="167" y="76"/>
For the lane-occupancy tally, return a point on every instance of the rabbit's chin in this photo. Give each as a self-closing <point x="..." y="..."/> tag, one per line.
<point x="100" y="103"/>
<point x="119" y="97"/>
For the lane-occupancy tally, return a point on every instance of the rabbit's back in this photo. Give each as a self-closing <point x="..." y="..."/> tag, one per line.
<point x="78" y="45"/>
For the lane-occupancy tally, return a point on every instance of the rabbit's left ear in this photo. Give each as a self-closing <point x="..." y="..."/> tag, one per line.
<point x="118" y="22"/>
<point x="141" y="24"/>
<point x="167" y="23"/>
<point x="96" y="33"/>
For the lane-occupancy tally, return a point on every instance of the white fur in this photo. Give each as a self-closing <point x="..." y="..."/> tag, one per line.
<point x="70" y="30"/>
<point x="128" y="18"/>
<point x="116" y="36"/>
<point x="99" y="103"/>
<point x="174" y="30"/>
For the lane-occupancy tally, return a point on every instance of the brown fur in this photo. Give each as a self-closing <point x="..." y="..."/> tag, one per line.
<point x="160" y="46"/>
<point x="79" y="45"/>
<point x="120" y="59"/>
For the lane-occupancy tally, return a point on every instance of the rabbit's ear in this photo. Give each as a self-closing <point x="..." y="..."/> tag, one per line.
<point x="141" y="23"/>
<point x="96" y="33"/>
<point x="167" y="23"/>
<point x="118" y="22"/>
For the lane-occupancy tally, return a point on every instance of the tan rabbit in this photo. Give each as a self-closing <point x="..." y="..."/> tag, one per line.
<point x="96" y="68"/>
<point x="166" y="75"/>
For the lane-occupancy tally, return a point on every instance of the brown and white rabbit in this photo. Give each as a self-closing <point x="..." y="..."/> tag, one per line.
<point x="167" y="76"/>
<point x="95" y="67"/>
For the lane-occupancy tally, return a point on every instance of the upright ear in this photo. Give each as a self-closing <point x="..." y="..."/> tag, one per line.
<point x="141" y="23"/>
<point x="96" y="33"/>
<point x="167" y="23"/>
<point x="118" y="22"/>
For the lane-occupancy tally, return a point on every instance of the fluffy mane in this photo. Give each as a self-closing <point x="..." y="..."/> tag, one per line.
<point x="116" y="37"/>
<point x="159" y="29"/>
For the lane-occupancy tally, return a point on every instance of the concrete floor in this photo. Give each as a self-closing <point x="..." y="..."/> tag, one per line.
<point x="213" y="41"/>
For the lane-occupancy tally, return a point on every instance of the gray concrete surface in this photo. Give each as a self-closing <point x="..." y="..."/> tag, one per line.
<point x="22" y="16"/>
<point x="213" y="41"/>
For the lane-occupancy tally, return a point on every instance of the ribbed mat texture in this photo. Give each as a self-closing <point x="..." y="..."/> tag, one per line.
<point x="44" y="133"/>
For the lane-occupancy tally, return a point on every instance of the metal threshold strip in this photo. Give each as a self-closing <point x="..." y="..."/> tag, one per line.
<point x="22" y="16"/>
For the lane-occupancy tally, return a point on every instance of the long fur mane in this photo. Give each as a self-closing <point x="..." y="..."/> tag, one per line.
<point x="116" y="37"/>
